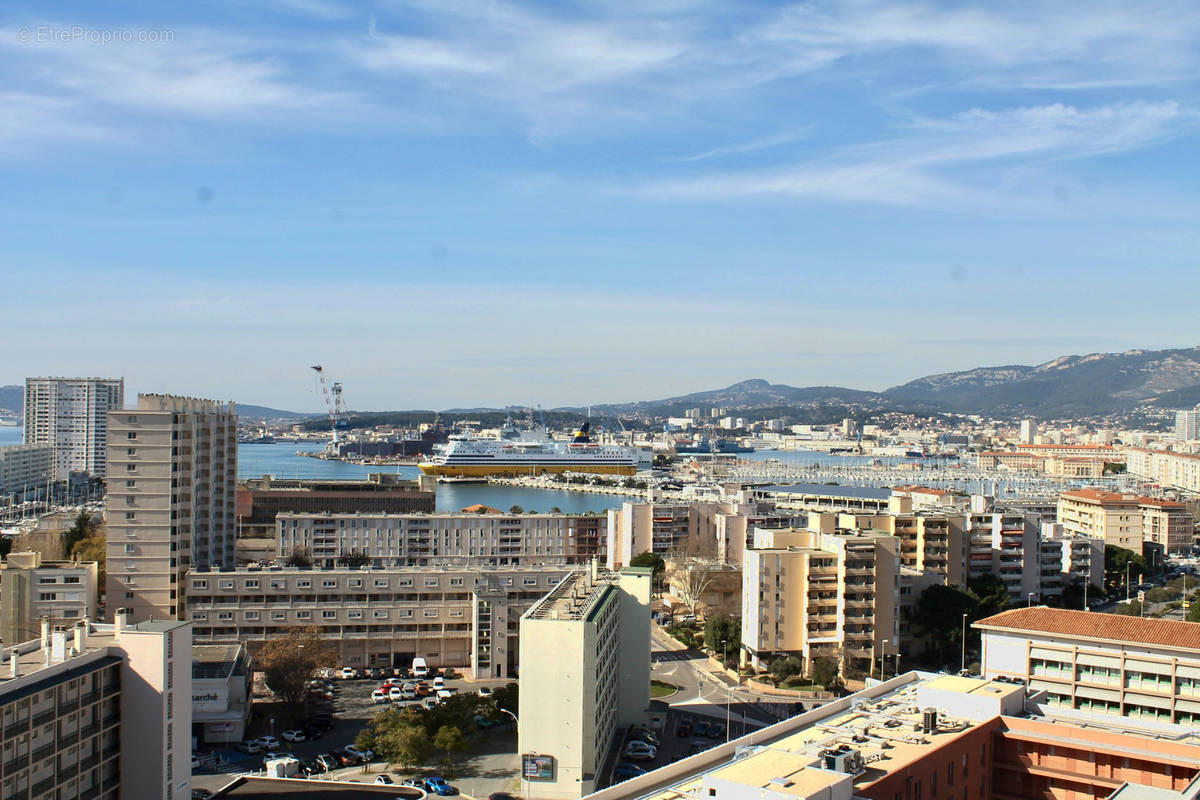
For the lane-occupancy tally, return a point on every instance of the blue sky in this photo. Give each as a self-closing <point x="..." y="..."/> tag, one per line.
<point x="453" y="203"/>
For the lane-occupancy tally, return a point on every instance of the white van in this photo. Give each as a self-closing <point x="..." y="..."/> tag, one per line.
<point x="420" y="669"/>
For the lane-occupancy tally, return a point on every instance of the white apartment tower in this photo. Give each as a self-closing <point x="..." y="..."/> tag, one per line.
<point x="1187" y="425"/>
<point x="172" y="482"/>
<point x="1028" y="431"/>
<point x="71" y="415"/>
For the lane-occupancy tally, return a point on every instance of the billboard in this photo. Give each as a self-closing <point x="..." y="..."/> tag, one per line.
<point x="537" y="768"/>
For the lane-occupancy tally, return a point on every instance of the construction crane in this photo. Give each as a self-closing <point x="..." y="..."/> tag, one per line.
<point x="334" y="402"/>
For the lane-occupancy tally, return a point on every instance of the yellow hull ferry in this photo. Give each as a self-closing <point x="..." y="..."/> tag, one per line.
<point x="518" y="453"/>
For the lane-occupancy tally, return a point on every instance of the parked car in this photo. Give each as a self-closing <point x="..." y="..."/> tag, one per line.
<point x="348" y="672"/>
<point x="430" y="702"/>
<point x="501" y="796"/>
<point x="417" y="782"/>
<point x="294" y="735"/>
<point x="195" y="762"/>
<point x="419" y="668"/>
<point x="380" y="696"/>
<point x="684" y="729"/>
<point x="249" y="748"/>
<point x="345" y="759"/>
<point x="313" y="733"/>
<point x="701" y="728"/>
<point x="395" y="693"/>
<point x="363" y="755"/>
<point x="438" y="786"/>
<point x="485" y="691"/>
<point x="408" y="694"/>
<point x="640" y="755"/>
<point x="328" y="761"/>
<point x="439" y="682"/>
<point x="201" y="794"/>
<point x="385" y="780"/>
<point x="645" y="735"/>
<point x="267" y="742"/>
<point x="309" y="766"/>
<point x="626" y="770"/>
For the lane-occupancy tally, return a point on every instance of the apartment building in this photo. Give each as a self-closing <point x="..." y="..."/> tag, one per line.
<point x="662" y="528"/>
<point x="1126" y="520"/>
<point x="172" y="477"/>
<point x="1187" y="425"/>
<point x="820" y="497"/>
<point x="71" y="415"/>
<point x="1167" y="469"/>
<point x="221" y="675"/>
<point x="259" y="500"/>
<point x="462" y="617"/>
<point x="930" y="542"/>
<point x="25" y="467"/>
<point x="97" y="711"/>
<point x="585" y="675"/>
<point x="407" y="540"/>
<point x="1109" y="664"/>
<point x="32" y="589"/>
<point x="932" y="737"/>
<point x="1032" y="557"/>
<point x="815" y="594"/>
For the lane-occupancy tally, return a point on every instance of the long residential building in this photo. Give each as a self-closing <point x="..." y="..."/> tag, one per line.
<point x="25" y="468"/>
<point x="585" y="676"/>
<point x="1032" y="557"/>
<point x="1111" y="664"/>
<point x="1168" y="469"/>
<point x="172" y="478"/>
<point x="407" y="540"/>
<point x="71" y="415"/>
<point x="461" y="617"/>
<point x="97" y="711"/>
<point x="30" y="589"/>
<point x="1126" y="520"/>
<point x="816" y="595"/>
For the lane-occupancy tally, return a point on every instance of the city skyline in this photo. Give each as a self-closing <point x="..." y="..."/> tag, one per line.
<point x="464" y="204"/>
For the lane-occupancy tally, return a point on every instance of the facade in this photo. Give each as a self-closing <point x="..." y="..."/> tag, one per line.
<point x="585" y="675"/>
<point x="1168" y="469"/>
<point x="459" y="617"/>
<point x="221" y="676"/>
<point x="1126" y="520"/>
<point x="1187" y="425"/>
<point x="819" y="497"/>
<point x="1032" y="557"/>
<point x="1168" y="525"/>
<point x="25" y="467"/>
<point x="408" y="540"/>
<point x="933" y="737"/>
<point x="261" y="499"/>
<point x="30" y="589"/>
<point x="71" y="415"/>
<point x="1110" y="664"/>
<point x="821" y="594"/>
<point x="929" y="542"/>
<point x="172" y="479"/>
<point x="98" y="711"/>
<point x="662" y="528"/>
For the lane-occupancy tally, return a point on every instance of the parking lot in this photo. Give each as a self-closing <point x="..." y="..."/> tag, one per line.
<point x="489" y="765"/>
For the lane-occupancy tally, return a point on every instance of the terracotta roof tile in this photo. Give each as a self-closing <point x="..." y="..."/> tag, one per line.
<point x="1093" y="625"/>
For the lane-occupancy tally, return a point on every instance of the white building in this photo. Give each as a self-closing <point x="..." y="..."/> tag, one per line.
<point x="24" y="467"/>
<point x="1187" y="425"/>
<point x="62" y="591"/>
<point x="220" y="692"/>
<point x="585" y="674"/>
<point x="1028" y="431"/>
<point x="98" y="711"/>
<point x="71" y="415"/>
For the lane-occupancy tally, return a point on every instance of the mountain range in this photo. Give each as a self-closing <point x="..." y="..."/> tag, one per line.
<point x="1068" y="386"/>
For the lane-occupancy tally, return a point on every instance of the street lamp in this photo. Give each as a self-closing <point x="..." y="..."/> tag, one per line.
<point x="1029" y="602"/>
<point x="963" y="668"/>
<point x="524" y="781"/>
<point x="728" y="689"/>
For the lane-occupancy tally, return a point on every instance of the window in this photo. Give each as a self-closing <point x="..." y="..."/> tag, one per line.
<point x="199" y="584"/>
<point x="431" y="581"/>
<point x="304" y="583"/>
<point x="225" y="584"/>
<point x="381" y="582"/>
<point x="278" y="615"/>
<point x="251" y="615"/>
<point x="431" y="612"/>
<point x="224" y="615"/>
<point x="456" y="581"/>
<point x="198" y="616"/>
<point x="356" y="582"/>
<point x="131" y="435"/>
<point x="252" y="583"/>
<point x="131" y="451"/>
<point x="131" y="467"/>
<point x="128" y="548"/>
<point x="130" y="484"/>
<point x="381" y="613"/>
<point x="276" y="584"/>
<point x="303" y="615"/>
<point x="329" y="583"/>
<point x="328" y="614"/>
<point x="129" y="515"/>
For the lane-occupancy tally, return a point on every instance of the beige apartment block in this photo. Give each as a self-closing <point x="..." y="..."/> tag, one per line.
<point x="1116" y="518"/>
<point x="399" y="540"/>
<point x="172" y="480"/>
<point x="71" y="415"/>
<point x="930" y="542"/>
<point x="98" y="711"/>
<point x="585" y="675"/>
<point x="1166" y="468"/>
<point x="25" y="467"/>
<point x="30" y="589"/>
<point x="821" y="594"/>
<point x="457" y="617"/>
<point x="1167" y="524"/>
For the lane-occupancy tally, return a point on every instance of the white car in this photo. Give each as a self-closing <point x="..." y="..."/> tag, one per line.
<point x="485" y="691"/>
<point x="294" y="736"/>
<point x="379" y="696"/>
<point x="365" y="755"/>
<point x="395" y="693"/>
<point x="348" y="672"/>
<point x="267" y="743"/>
<point x="439" y="682"/>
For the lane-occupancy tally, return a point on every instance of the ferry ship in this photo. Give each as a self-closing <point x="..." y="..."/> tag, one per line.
<point x="531" y="453"/>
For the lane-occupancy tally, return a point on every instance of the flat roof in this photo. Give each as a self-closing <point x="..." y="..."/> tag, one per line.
<point x="825" y="490"/>
<point x="214" y="660"/>
<point x="1171" y="633"/>
<point x="252" y="788"/>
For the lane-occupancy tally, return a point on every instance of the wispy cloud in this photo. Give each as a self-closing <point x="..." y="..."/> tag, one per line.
<point x="909" y="170"/>
<point x="748" y="147"/>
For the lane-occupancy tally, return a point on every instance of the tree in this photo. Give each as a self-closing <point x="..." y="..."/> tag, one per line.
<point x="94" y="548"/>
<point x="397" y="737"/>
<point x="1073" y="594"/>
<point x="1193" y="612"/>
<point x="507" y="697"/>
<point x="991" y="592"/>
<point x="288" y="662"/>
<point x="1131" y="609"/>
<point x="693" y="576"/>
<point x="1120" y="562"/>
<point x="516" y="509"/>
<point x="825" y="672"/>
<point x="450" y="740"/>
<point x="939" y="614"/>
<point x="354" y="559"/>
<point x="6" y="544"/>
<point x="85" y="526"/>
<point x="721" y="628"/>
<point x="556" y="510"/>
<point x="783" y="668"/>
<point x="299" y="557"/>
<point x="655" y="562"/>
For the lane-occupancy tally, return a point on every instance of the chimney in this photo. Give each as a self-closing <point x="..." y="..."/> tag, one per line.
<point x="58" y="645"/>
<point x="81" y="632"/>
<point x="120" y="622"/>
<point x="14" y="664"/>
<point x="45" y="633"/>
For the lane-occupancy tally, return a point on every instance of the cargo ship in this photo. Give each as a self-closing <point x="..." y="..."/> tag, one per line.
<point x="531" y="453"/>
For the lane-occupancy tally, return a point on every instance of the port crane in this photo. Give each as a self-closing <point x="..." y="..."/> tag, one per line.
<point x="334" y="402"/>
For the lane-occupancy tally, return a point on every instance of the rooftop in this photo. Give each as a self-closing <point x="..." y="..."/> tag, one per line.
<point x="821" y="489"/>
<point x="215" y="661"/>
<point x="1114" y="498"/>
<point x="575" y="596"/>
<point x="1092" y="625"/>
<point x="254" y="788"/>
